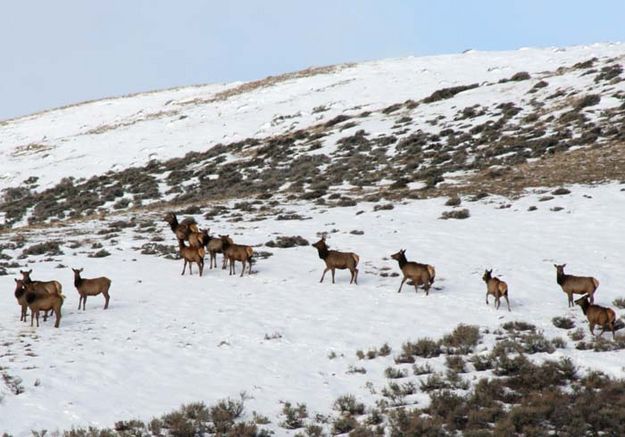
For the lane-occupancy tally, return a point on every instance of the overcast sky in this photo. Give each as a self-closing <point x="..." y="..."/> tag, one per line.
<point x="56" y="52"/>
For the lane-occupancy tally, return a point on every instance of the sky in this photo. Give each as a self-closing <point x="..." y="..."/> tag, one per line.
<point x="66" y="51"/>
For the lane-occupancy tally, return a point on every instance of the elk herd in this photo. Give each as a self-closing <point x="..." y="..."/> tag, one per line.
<point x="193" y="243"/>
<point x="48" y="296"/>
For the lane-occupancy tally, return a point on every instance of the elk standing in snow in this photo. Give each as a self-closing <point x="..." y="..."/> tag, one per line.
<point x="191" y="255"/>
<point x="39" y="299"/>
<point x="237" y="252"/>
<point x="91" y="287"/>
<point x="20" y="295"/>
<point x="52" y="287"/>
<point x="496" y="287"/>
<point x="215" y="246"/>
<point x="597" y="315"/>
<point x="182" y="229"/>
<point x="337" y="260"/>
<point x="419" y="274"/>
<point x="575" y="284"/>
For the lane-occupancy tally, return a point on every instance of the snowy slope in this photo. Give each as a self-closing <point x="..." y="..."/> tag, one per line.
<point x="167" y="339"/>
<point x="92" y="138"/>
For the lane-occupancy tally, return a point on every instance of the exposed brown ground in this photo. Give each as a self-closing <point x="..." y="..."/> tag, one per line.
<point x="582" y="166"/>
<point x="268" y="82"/>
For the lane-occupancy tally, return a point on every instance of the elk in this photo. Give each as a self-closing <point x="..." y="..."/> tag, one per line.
<point x="597" y="315"/>
<point x="419" y="274"/>
<point x="50" y="286"/>
<point x="91" y="287"/>
<point x="496" y="287"/>
<point x="38" y="300"/>
<point x="182" y="229"/>
<point x="575" y="284"/>
<point x="20" y="295"/>
<point x="237" y="252"/>
<point x="215" y="246"/>
<point x="337" y="260"/>
<point x="191" y="255"/>
<point x="199" y="239"/>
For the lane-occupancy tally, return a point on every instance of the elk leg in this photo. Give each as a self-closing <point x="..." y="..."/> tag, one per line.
<point x="355" y="276"/>
<point x="508" y="302"/>
<point x="324" y="273"/>
<point x="571" y="299"/>
<point x="84" y="302"/>
<point x="184" y="267"/>
<point x="333" y="270"/>
<point x="190" y="268"/>
<point x="242" y="267"/>
<point x="106" y="297"/>
<point x="223" y="267"/>
<point x="79" y="302"/>
<point x="402" y="284"/>
<point x="497" y="303"/>
<point x="32" y="316"/>
<point x="58" y="317"/>
<point x="487" y="298"/>
<point x="427" y="288"/>
<point x="37" y="317"/>
<point x="592" y="329"/>
<point x="249" y="272"/>
<point x="201" y="267"/>
<point x="592" y="297"/>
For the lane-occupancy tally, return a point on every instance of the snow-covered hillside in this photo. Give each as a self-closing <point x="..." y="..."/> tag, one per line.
<point x="279" y="335"/>
<point x="111" y="134"/>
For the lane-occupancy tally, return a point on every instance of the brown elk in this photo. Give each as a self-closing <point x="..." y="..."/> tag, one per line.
<point x="199" y="239"/>
<point x="20" y="295"/>
<point x="191" y="255"/>
<point x="419" y="274"/>
<point x="575" y="284"/>
<point x="91" y="287"/>
<point x="215" y="246"/>
<point x="237" y="252"/>
<point x="40" y="300"/>
<point x="496" y="287"/>
<point x="182" y="229"/>
<point x="337" y="260"/>
<point x="52" y="287"/>
<point x="597" y="315"/>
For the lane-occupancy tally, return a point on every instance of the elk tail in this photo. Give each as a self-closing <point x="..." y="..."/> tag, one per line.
<point x="432" y="273"/>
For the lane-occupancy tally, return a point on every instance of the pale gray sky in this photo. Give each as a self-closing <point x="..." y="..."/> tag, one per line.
<point x="65" y="51"/>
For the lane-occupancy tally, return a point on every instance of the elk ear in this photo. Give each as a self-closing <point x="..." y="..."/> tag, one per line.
<point x="563" y="265"/>
<point x="30" y="271"/>
<point x="555" y="265"/>
<point x="15" y="280"/>
<point x="80" y="270"/>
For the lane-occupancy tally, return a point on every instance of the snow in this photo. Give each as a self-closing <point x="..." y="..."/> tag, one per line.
<point x="168" y="339"/>
<point x="138" y="128"/>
